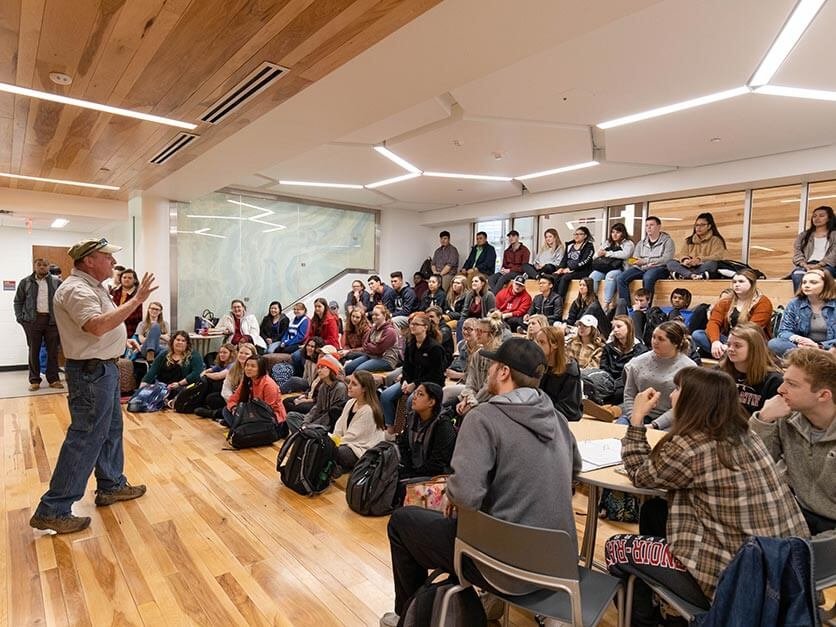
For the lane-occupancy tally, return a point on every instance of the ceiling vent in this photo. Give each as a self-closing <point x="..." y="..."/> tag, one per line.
<point x="173" y="147"/>
<point x="259" y="79"/>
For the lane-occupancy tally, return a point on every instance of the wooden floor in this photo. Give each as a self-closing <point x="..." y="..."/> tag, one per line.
<point x="217" y="540"/>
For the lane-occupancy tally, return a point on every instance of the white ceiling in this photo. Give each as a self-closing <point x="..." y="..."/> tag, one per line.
<point x="465" y="88"/>
<point x="36" y="221"/>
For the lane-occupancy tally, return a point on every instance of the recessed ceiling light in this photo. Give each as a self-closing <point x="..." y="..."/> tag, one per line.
<point x="394" y="179"/>
<point x="796" y="92"/>
<point x="59" y="78"/>
<point x="475" y="177"/>
<point x="672" y="108"/>
<point x="41" y="179"/>
<point x="568" y="168"/>
<point x="86" y="104"/>
<point x="406" y="165"/>
<point x="318" y="184"/>
<point x="716" y="140"/>
<point x="59" y="223"/>
<point x="804" y="13"/>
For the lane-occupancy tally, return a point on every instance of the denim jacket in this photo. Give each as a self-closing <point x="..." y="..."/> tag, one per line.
<point x="26" y="298"/>
<point x="796" y="320"/>
<point x="769" y="582"/>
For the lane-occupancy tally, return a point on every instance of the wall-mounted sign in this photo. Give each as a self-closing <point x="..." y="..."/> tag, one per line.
<point x="9" y="286"/>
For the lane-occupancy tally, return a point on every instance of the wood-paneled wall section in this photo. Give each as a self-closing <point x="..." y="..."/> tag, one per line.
<point x="173" y="59"/>
<point x="774" y="227"/>
<point x="678" y="217"/>
<point x="819" y="194"/>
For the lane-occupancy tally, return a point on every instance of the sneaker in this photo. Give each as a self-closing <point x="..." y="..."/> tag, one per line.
<point x="389" y="619"/>
<point x="126" y="493"/>
<point x="34" y="387"/>
<point x="63" y="524"/>
<point x="57" y="385"/>
<point x="676" y="276"/>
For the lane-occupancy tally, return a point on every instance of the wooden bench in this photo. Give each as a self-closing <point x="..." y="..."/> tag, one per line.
<point x="779" y="291"/>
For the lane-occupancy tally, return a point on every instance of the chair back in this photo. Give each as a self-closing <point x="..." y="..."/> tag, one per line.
<point x="543" y="551"/>
<point x="824" y="561"/>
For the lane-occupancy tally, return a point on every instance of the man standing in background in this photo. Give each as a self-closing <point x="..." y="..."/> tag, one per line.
<point x="445" y="260"/>
<point x="33" y="311"/>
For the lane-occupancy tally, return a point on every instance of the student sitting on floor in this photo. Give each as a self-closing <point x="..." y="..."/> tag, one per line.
<point x="330" y="395"/>
<point x="356" y="327"/>
<point x="587" y="303"/>
<point x="562" y="380"/>
<point x="587" y="346"/>
<point x="177" y="367"/>
<point x="799" y="428"/>
<point x="256" y="384"/>
<point x="618" y="352"/>
<point x="360" y="426"/>
<point x="427" y="443"/>
<point x="722" y="487"/>
<point x="750" y="364"/>
<point x="215" y="376"/>
<point x="381" y="349"/>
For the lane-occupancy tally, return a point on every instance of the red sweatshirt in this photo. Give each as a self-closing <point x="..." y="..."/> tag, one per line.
<point x="515" y="304"/>
<point x="264" y="389"/>
<point x="328" y="330"/>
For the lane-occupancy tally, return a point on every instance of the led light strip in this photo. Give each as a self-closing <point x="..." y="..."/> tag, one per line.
<point x="41" y="179"/>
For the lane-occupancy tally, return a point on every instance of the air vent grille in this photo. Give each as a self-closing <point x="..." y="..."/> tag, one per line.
<point x="173" y="147"/>
<point x="259" y="79"/>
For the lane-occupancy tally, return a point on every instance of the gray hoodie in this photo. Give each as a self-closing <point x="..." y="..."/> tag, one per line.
<point x="515" y="459"/>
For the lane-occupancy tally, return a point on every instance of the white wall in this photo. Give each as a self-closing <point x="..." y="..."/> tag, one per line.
<point x="16" y="245"/>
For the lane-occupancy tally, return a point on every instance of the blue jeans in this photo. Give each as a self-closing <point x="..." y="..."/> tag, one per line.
<point x="609" y="283"/>
<point x="93" y="441"/>
<point x="686" y="273"/>
<point x="798" y="274"/>
<point x="389" y="401"/>
<point x="298" y="361"/>
<point x="152" y="341"/>
<point x="648" y="277"/>
<point x="364" y="362"/>
<point x="780" y="346"/>
<point x="703" y="342"/>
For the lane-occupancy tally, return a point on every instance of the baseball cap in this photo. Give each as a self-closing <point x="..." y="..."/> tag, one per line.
<point x="588" y="320"/>
<point x="88" y="246"/>
<point x="333" y="306"/>
<point x="520" y="278"/>
<point x="521" y="355"/>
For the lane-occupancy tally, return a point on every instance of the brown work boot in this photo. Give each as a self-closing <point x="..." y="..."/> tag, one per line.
<point x="126" y="493"/>
<point x="604" y="413"/>
<point x="63" y="524"/>
<point x="34" y="387"/>
<point x="57" y="385"/>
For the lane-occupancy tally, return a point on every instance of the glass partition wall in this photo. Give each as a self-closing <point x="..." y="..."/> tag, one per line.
<point x="259" y="249"/>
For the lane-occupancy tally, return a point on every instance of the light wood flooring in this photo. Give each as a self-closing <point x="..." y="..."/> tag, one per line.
<point x="217" y="540"/>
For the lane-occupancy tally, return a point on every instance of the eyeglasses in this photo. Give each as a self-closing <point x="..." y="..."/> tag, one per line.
<point x="580" y="233"/>
<point x="468" y="329"/>
<point x="417" y="324"/>
<point x="701" y="224"/>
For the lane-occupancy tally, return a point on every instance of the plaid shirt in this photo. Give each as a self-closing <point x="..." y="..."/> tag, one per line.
<point x="713" y="509"/>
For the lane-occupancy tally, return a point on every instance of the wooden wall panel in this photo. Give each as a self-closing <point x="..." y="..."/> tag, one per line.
<point x="774" y="227"/>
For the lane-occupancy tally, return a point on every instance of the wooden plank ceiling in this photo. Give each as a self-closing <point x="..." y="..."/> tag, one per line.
<point x="172" y="58"/>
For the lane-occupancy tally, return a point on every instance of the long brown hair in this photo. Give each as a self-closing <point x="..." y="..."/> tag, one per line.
<point x="160" y="321"/>
<point x="630" y="340"/>
<point x="452" y="297"/>
<point x="370" y="397"/>
<point x="187" y="354"/>
<point x="718" y="415"/>
<point x="758" y="358"/>
<point x="747" y="303"/>
<point x="828" y="292"/>
<point x="236" y="373"/>
<point x="591" y="296"/>
<point x="432" y="329"/>
<point x="556" y="360"/>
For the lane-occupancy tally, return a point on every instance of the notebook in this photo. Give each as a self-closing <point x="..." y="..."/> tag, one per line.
<point x="599" y="453"/>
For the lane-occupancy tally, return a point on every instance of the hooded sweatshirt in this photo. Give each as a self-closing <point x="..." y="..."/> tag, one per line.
<point x="492" y="463"/>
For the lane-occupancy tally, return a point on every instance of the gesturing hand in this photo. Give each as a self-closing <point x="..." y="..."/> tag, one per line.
<point x="643" y="403"/>
<point x="146" y="286"/>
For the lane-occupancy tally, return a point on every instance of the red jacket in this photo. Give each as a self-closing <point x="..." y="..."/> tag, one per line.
<point x="514" y="259"/>
<point x="328" y="330"/>
<point x="264" y="389"/>
<point x="515" y="304"/>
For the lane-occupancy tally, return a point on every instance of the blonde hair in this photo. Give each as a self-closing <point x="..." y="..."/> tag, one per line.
<point x="758" y="358"/>
<point x="236" y="373"/>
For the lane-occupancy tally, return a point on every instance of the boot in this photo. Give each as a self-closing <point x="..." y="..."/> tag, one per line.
<point x="205" y="412"/>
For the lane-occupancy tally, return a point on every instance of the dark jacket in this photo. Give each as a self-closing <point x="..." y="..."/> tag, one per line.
<point x="425" y="363"/>
<point x="365" y="300"/>
<point x="547" y="306"/>
<point x="487" y="261"/>
<point x="439" y="300"/>
<point x="565" y="390"/>
<point x="578" y="259"/>
<point x="426" y="449"/>
<point x="26" y="298"/>
<point x="488" y="303"/>
<point x="513" y="260"/>
<point x="577" y="310"/>
<point x="448" y="344"/>
<point x="769" y="582"/>
<point x="405" y="301"/>
<point x="387" y="299"/>
<point x="275" y="333"/>
<point x="613" y="360"/>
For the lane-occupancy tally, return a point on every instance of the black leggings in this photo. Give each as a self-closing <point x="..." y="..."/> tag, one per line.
<point x="563" y="281"/>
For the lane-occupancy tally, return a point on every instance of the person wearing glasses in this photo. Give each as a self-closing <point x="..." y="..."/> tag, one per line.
<point x="703" y="249"/>
<point x="357" y="297"/>
<point x="576" y="264"/>
<point x="423" y="361"/>
<point x="93" y="336"/>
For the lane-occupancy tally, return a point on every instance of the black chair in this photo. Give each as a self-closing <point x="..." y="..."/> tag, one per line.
<point x="531" y="568"/>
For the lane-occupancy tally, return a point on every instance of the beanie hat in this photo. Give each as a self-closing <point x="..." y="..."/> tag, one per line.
<point x="331" y="363"/>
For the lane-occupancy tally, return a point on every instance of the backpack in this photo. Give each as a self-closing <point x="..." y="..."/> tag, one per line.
<point x="618" y="506"/>
<point x="598" y="384"/>
<point x="424" y="608"/>
<point x="254" y="425"/>
<point x="727" y="268"/>
<point x="306" y="459"/>
<point x="127" y="378"/>
<point x="653" y="318"/>
<point x="371" y="487"/>
<point x="426" y="268"/>
<point x="775" y="321"/>
<point x="281" y="373"/>
<point x="148" y="399"/>
<point x="191" y="397"/>
<point x="699" y="318"/>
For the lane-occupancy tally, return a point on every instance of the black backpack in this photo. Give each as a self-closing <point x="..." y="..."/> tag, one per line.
<point x="371" y="487"/>
<point x="653" y="318"/>
<point x="254" y="425"/>
<point x="191" y="397"/>
<point x="598" y="385"/>
<point x="424" y="608"/>
<point x="775" y="321"/>
<point x="426" y="269"/>
<point x="306" y="460"/>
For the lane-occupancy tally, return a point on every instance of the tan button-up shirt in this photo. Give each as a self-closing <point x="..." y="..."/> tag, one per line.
<point x="78" y="299"/>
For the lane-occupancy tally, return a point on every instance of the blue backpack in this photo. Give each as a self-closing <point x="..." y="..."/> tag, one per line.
<point x="148" y="399"/>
